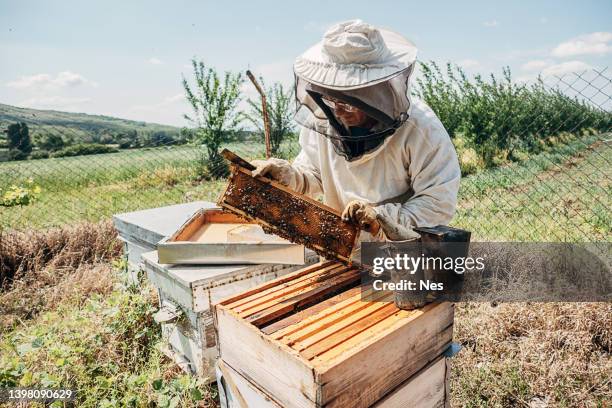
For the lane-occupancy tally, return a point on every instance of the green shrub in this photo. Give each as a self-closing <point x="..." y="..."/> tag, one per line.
<point x="20" y="195"/>
<point x="82" y="149"/>
<point x="39" y="154"/>
<point x="15" y="154"/>
<point x="470" y="162"/>
<point x="503" y="120"/>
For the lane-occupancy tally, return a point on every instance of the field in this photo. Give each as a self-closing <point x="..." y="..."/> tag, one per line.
<point x="91" y="188"/>
<point x="76" y="127"/>
<point x="70" y="317"/>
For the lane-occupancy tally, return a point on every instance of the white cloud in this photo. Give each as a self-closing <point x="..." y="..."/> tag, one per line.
<point x="65" y="79"/>
<point x="55" y="102"/>
<point x="536" y="65"/>
<point x="155" y="61"/>
<point x="547" y="68"/>
<point x="565" y="68"/>
<point x="492" y="23"/>
<point x="169" y="109"/>
<point x="164" y="103"/>
<point x="597" y="43"/>
<point x="174" y="98"/>
<point x="468" y="63"/>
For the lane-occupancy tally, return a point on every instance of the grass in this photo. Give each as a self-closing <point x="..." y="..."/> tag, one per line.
<point x="69" y="318"/>
<point x="560" y="195"/>
<point x="94" y="332"/>
<point x="522" y="354"/>
<point x="91" y="188"/>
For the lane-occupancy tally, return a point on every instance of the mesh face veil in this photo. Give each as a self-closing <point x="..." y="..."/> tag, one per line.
<point x="384" y="106"/>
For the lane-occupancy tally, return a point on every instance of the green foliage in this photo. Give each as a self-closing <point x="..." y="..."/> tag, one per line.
<point x="280" y="109"/>
<point x="39" y="154"/>
<point x="50" y="142"/>
<point x="19" y="141"/>
<point x="107" y="348"/>
<point x="20" y="194"/>
<point x="82" y="149"/>
<point x="84" y="128"/>
<point x="503" y="120"/>
<point x="214" y="103"/>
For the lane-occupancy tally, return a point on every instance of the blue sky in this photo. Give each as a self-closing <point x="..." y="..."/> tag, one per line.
<point x="125" y="58"/>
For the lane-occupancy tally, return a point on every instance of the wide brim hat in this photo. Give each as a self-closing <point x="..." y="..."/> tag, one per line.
<point x="354" y="54"/>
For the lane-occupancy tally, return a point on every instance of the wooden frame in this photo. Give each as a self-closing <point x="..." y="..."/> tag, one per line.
<point x="309" y="340"/>
<point x="182" y="248"/>
<point x="426" y="389"/>
<point x="267" y="202"/>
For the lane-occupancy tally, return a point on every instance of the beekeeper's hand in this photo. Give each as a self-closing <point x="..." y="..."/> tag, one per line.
<point x="362" y="214"/>
<point x="276" y="169"/>
<point x="394" y="231"/>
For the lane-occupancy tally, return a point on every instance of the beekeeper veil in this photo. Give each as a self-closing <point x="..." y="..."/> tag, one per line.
<point x="356" y="67"/>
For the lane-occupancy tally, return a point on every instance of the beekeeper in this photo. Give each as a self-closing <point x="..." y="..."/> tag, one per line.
<point x="377" y="154"/>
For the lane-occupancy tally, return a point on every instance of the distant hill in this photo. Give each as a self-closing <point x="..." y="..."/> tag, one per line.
<point x="83" y="128"/>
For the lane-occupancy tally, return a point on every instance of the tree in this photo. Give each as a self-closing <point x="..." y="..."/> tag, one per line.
<point x="51" y="142"/>
<point x="19" y="141"/>
<point x="280" y="114"/>
<point x="214" y="104"/>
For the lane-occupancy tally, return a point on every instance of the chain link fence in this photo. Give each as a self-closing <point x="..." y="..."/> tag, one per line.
<point x="550" y="181"/>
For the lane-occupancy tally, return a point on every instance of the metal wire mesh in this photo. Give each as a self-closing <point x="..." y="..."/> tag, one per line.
<point x="559" y="193"/>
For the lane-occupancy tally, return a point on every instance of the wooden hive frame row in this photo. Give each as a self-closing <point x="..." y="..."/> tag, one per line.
<point x="327" y="345"/>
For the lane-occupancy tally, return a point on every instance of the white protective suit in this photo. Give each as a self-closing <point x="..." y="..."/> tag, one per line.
<point x="413" y="176"/>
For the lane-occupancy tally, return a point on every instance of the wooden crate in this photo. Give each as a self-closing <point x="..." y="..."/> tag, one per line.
<point x="192" y="289"/>
<point x="309" y="340"/>
<point x="426" y="389"/>
<point x="287" y="213"/>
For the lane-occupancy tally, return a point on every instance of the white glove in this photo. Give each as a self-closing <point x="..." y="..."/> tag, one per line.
<point x="394" y="231"/>
<point x="276" y="169"/>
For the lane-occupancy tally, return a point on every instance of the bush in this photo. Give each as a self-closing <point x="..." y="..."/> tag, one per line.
<point x="39" y="154"/>
<point x="51" y="142"/>
<point x="15" y="154"/>
<point x="82" y="149"/>
<point x="20" y="195"/>
<point x="502" y="119"/>
<point x="470" y="162"/>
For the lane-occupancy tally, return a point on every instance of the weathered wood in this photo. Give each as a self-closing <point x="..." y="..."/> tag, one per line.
<point x="399" y="351"/>
<point x="348" y="353"/>
<point x="276" y="367"/>
<point x="295" y="318"/>
<point x="305" y="297"/>
<point x="261" y="290"/>
<point x="427" y="389"/>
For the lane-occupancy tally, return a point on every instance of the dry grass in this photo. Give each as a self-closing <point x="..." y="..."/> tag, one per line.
<point x="25" y="253"/>
<point x="46" y="289"/>
<point x="40" y="269"/>
<point x="521" y="354"/>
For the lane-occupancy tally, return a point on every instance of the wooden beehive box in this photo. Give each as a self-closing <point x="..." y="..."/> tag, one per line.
<point x="287" y="213"/>
<point x="192" y="290"/>
<point x="309" y="339"/>
<point x="214" y="236"/>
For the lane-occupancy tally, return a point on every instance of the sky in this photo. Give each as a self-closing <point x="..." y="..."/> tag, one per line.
<point x="126" y="58"/>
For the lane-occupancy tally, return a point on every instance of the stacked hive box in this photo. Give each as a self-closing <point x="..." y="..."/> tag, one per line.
<point x="310" y="339"/>
<point x="186" y="292"/>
